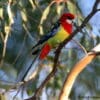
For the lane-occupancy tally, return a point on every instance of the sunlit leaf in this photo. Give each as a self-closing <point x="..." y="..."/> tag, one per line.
<point x="32" y="3"/>
<point x="10" y="14"/>
<point x="1" y="12"/>
<point x="7" y="29"/>
<point x="23" y="14"/>
<point x="71" y="7"/>
<point x="43" y="18"/>
<point x="45" y="14"/>
<point x="59" y="9"/>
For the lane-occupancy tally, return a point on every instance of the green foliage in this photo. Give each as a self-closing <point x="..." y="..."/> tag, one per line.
<point x="33" y="18"/>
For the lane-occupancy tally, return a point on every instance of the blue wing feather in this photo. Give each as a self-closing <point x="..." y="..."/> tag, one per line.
<point x="49" y="35"/>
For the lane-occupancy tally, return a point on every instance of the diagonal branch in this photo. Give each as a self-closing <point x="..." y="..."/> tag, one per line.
<point x="64" y="95"/>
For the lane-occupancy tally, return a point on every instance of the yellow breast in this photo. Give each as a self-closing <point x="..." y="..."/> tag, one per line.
<point x="60" y="36"/>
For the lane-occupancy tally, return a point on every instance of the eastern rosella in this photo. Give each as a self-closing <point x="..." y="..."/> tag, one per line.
<point x="61" y="30"/>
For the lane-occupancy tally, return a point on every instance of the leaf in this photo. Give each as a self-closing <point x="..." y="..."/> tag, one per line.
<point x="59" y="9"/>
<point x="1" y="13"/>
<point x="32" y="4"/>
<point x="24" y="16"/>
<point x="43" y="18"/>
<point x="71" y="7"/>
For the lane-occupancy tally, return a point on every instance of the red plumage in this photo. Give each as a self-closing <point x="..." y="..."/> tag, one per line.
<point x="45" y="50"/>
<point x="63" y="20"/>
<point x="67" y="27"/>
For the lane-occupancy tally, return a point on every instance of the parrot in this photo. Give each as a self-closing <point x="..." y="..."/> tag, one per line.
<point x="61" y="30"/>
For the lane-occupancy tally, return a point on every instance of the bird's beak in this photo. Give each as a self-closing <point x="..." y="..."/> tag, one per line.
<point x="69" y="21"/>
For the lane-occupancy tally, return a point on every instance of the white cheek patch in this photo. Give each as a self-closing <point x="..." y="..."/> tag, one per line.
<point x="69" y="21"/>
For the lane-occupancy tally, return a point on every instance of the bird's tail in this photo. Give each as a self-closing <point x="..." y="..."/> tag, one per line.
<point x="29" y="72"/>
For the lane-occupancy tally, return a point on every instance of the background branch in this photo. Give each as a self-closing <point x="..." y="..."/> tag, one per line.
<point x="79" y="67"/>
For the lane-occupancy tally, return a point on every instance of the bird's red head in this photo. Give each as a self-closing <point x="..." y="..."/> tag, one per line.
<point x="67" y="16"/>
<point x="66" y="21"/>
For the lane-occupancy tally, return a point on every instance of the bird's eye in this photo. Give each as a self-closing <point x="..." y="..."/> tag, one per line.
<point x="69" y="18"/>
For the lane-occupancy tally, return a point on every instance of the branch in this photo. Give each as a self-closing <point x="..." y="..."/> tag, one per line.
<point x="96" y="5"/>
<point x="78" y="29"/>
<point x="76" y="71"/>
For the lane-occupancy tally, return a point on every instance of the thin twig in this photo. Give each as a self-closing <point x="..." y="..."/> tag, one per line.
<point x="27" y="32"/>
<point x="2" y="37"/>
<point x="4" y="48"/>
<point x="20" y="51"/>
<point x="84" y="50"/>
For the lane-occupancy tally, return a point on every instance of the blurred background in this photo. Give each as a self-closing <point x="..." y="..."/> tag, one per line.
<point x="23" y="23"/>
